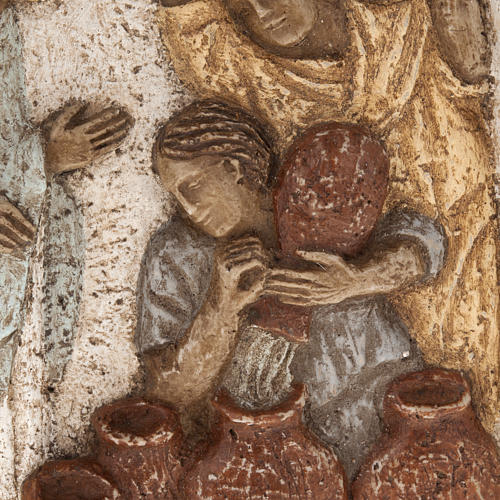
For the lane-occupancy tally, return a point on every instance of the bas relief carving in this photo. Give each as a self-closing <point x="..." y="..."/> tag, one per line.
<point x="335" y="232"/>
<point x="399" y="77"/>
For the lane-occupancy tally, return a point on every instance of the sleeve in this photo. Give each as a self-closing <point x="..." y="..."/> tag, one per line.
<point x="22" y="178"/>
<point x="426" y="233"/>
<point x="173" y="283"/>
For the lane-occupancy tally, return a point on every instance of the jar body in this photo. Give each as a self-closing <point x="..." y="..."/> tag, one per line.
<point x="445" y="455"/>
<point x="69" y="479"/>
<point x="267" y="455"/>
<point x="139" y="446"/>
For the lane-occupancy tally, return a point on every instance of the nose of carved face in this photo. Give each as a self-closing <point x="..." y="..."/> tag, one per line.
<point x="284" y="22"/>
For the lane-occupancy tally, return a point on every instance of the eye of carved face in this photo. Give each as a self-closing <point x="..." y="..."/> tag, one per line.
<point x="210" y="191"/>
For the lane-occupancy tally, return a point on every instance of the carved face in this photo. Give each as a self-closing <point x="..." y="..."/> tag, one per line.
<point x="281" y="23"/>
<point x="210" y="190"/>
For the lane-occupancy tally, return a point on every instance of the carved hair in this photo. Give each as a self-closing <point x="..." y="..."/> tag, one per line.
<point x="216" y="129"/>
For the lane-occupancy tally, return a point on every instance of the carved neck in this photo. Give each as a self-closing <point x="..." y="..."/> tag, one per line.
<point x="246" y="422"/>
<point x="427" y="397"/>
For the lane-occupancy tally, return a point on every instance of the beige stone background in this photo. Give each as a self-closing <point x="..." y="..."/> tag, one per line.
<point x="109" y="51"/>
<point x="104" y="51"/>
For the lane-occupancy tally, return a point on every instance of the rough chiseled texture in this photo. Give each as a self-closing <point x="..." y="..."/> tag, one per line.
<point x="265" y="455"/>
<point x="81" y="478"/>
<point x="139" y="446"/>
<point x="434" y="446"/>
<point x="63" y="250"/>
<point x="394" y="81"/>
<point x="331" y="190"/>
<point x="104" y="52"/>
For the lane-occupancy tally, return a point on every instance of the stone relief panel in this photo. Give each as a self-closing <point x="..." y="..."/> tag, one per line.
<point x="394" y="79"/>
<point x="323" y="235"/>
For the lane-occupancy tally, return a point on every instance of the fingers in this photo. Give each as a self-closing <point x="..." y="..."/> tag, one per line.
<point x="14" y="225"/>
<point x="324" y="258"/>
<point x="69" y="112"/>
<point x="242" y="243"/>
<point x="110" y="139"/>
<point x="104" y="121"/>
<point x="108" y="129"/>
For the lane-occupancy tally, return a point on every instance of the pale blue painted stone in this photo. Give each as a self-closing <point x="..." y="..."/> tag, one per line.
<point x="63" y="257"/>
<point x="22" y="179"/>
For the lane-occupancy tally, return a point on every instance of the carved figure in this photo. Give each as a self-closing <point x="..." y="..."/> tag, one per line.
<point x="393" y="79"/>
<point x="33" y="248"/>
<point x="434" y="446"/>
<point x="265" y="455"/>
<point x="194" y="287"/>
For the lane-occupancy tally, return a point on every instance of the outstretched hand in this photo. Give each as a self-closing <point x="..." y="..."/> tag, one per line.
<point x="74" y="142"/>
<point x="335" y="280"/>
<point x="329" y="283"/>
<point x="15" y="230"/>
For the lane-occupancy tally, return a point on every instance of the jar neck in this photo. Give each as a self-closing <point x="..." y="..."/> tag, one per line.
<point x="427" y="397"/>
<point x="286" y="415"/>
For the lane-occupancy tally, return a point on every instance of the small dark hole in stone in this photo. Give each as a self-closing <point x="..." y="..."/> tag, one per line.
<point x="233" y="434"/>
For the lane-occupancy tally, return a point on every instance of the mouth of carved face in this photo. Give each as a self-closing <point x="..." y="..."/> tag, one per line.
<point x="279" y="23"/>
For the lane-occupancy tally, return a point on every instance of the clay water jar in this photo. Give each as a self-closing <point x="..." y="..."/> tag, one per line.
<point x="329" y="195"/>
<point x="139" y="445"/>
<point x="264" y="454"/>
<point x="433" y="446"/>
<point x="81" y="479"/>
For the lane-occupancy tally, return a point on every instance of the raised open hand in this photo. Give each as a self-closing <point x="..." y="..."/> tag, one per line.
<point x="74" y="142"/>
<point x="15" y="230"/>
<point x="242" y="267"/>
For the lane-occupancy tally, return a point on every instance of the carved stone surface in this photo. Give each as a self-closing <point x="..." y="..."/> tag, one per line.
<point x="69" y="479"/>
<point x="394" y="81"/>
<point x="355" y="350"/>
<point x="293" y="28"/>
<point x="461" y="31"/>
<point x="331" y="190"/>
<point x="139" y="445"/>
<point x="265" y="455"/>
<point x="434" y="447"/>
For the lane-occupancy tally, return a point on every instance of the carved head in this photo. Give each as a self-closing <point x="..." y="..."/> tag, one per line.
<point x="293" y="28"/>
<point x="215" y="161"/>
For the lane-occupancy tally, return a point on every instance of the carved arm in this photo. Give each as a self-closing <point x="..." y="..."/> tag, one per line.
<point x="185" y="375"/>
<point x="335" y="279"/>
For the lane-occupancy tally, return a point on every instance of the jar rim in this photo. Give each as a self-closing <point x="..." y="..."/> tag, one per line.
<point x="162" y="422"/>
<point x="277" y="415"/>
<point x="428" y="394"/>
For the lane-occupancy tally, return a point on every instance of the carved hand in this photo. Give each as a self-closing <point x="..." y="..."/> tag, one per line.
<point x="15" y="230"/>
<point x="336" y="280"/>
<point x="242" y="267"/>
<point x="3" y="5"/>
<point x="74" y="142"/>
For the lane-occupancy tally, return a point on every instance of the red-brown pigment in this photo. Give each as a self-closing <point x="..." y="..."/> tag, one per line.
<point x="265" y="454"/>
<point x="433" y="446"/>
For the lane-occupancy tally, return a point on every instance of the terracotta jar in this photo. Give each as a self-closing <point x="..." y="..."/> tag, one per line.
<point x="139" y="446"/>
<point x="68" y="480"/>
<point x="265" y="454"/>
<point x="433" y="447"/>
<point x="328" y="197"/>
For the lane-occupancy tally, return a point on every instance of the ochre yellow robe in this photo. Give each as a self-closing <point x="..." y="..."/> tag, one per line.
<point x="393" y="81"/>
